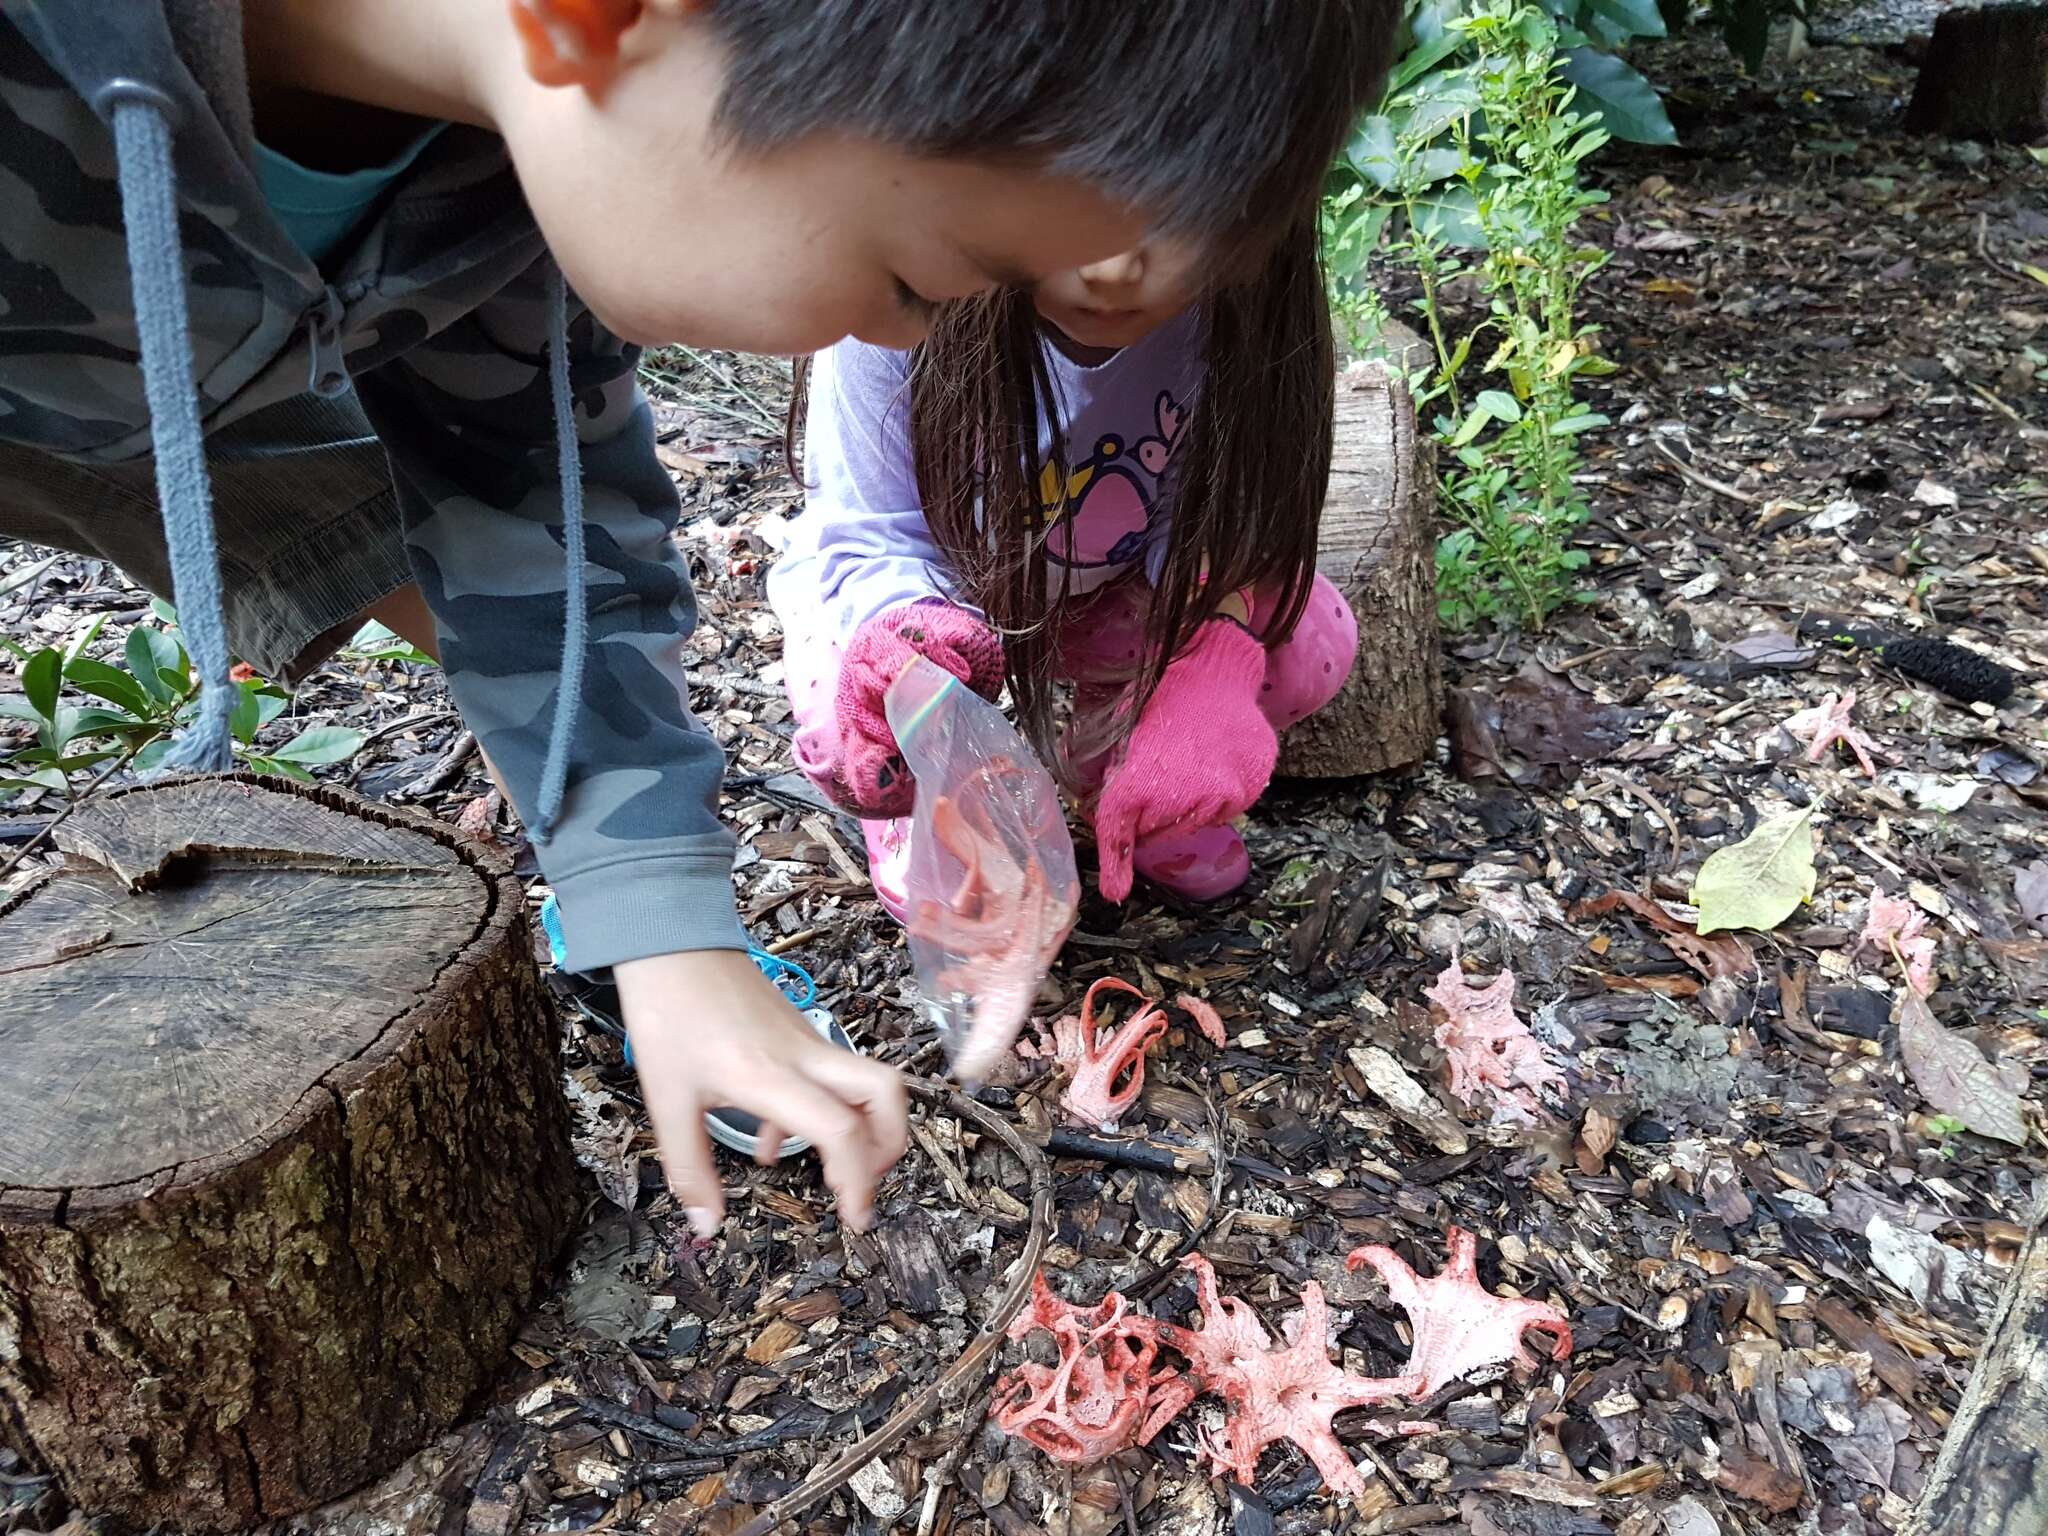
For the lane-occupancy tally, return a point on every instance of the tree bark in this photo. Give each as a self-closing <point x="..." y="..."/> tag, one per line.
<point x="1985" y="75"/>
<point x="1991" y="1478"/>
<point x="1378" y="547"/>
<point x="286" y="1153"/>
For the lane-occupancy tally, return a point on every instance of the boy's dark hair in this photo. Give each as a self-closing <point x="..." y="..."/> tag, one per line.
<point x="1210" y="115"/>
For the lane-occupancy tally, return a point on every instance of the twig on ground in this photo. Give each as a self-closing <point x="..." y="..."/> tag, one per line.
<point x="1704" y="482"/>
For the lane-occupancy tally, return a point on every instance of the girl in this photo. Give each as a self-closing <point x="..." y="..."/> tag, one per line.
<point x="1113" y="481"/>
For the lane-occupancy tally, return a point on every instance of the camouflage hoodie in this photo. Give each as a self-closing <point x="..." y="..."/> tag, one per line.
<point x="126" y="124"/>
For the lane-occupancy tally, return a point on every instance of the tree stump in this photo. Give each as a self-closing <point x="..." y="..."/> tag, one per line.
<point x="285" y="1153"/>
<point x="1991" y="1478"/>
<point x="1378" y="546"/>
<point x="1985" y="75"/>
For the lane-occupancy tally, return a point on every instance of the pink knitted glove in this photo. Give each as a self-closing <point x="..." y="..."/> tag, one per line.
<point x="869" y="777"/>
<point x="1200" y="755"/>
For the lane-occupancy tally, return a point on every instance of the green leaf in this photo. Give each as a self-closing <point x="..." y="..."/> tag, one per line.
<point x="321" y="744"/>
<point x="1628" y="104"/>
<point x="150" y="653"/>
<point x="1501" y="405"/>
<point x="151" y="757"/>
<point x="107" y="682"/>
<point x="1629" y="18"/>
<point x="71" y="723"/>
<point x="90" y="633"/>
<point x="1473" y="424"/>
<point x="1374" y="152"/>
<point x="63" y="763"/>
<point x="19" y="709"/>
<point x="46" y="778"/>
<point x="41" y="680"/>
<point x="1760" y="881"/>
<point x="280" y="766"/>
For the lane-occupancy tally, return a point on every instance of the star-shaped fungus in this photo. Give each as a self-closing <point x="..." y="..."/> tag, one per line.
<point x="1489" y="1049"/>
<point x="1458" y="1325"/>
<point x="1291" y="1392"/>
<point x="1829" y="722"/>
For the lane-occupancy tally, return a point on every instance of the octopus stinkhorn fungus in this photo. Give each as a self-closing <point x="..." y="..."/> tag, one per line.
<point x="1103" y="1394"/>
<point x="1106" y="1072"/>
<point x="1291" y="1392"/>
<point x="1490" y="1050"/>
<point x="1459" y="1325"/>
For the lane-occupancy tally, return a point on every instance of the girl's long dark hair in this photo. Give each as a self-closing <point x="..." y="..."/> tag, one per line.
<point x="1243" y="490"/>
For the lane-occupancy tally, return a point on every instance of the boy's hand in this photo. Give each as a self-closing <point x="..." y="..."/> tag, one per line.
<point x="709" y="1030"/>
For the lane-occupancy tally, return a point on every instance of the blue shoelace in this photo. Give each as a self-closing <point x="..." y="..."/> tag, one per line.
<point x="794" y="981"/>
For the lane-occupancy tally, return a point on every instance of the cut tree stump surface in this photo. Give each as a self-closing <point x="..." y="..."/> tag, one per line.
<point x="1378" y="547"/>
<point x="286" y="1153"/>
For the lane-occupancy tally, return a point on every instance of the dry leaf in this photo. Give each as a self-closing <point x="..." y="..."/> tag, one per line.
<point x="1953" y="1075"/>
<point x="1725" y="956"/>
<point x="2030" y="885"/>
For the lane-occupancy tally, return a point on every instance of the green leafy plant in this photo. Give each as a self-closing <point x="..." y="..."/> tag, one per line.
<point x="87" y="713"/>
<point x="1519" y="142"/>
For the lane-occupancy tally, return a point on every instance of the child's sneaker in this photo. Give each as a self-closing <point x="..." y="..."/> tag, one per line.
<point x="888" y="844"/>
<point x="1205" y="864"/>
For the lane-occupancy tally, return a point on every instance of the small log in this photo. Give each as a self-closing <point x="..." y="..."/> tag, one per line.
<point x="1985" y="75"/>
<point x="285" y="1154"/>
<point x="1991" y="1478"/>
<point x="1379" y="547"/>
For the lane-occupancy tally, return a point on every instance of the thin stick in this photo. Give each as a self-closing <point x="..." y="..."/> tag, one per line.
<point x="14" y="860"/>
<point x="963" y="1375"/>
<point x="1704" y="482"/>
<point x="1616" y="781"/>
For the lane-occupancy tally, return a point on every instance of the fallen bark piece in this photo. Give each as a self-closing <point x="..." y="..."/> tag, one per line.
<point x="1103" y="1395"/>
<point x="1106" y="1075"/>
<point x="1390" y="1081"/>
<point x="1460" y="1326"/>
<point x="1490" y="1051"/>
<point x="1287" y="1393"/>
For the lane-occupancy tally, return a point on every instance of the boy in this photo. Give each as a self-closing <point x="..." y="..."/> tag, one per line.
<point x="350" y="291"/>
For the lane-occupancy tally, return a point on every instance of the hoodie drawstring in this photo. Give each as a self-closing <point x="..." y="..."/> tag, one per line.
<point x="575" y="611"/>
<point x="142" y="118"/>
<point x="156" y="263"/>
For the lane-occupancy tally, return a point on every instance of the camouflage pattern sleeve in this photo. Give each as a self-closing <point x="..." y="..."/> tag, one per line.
<point x="638" y="858"/>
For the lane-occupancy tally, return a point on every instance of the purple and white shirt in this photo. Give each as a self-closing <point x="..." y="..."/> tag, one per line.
<point x="862" y="546"/>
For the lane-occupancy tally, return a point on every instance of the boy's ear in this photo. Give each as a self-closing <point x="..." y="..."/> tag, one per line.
<point x="575" y="42"/>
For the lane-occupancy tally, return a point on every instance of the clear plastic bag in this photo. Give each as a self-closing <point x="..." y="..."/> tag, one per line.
<point x="991" y="884"/>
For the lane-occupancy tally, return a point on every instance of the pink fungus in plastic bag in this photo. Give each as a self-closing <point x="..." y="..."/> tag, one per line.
<point x="1458" y="1325"/>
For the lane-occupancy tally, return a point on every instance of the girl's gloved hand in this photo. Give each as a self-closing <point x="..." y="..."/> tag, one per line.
<point x="868" y="776"/>
<point x="1200" y="755"/>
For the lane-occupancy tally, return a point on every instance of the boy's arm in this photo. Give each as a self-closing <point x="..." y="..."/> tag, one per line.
<point x="638" y="856"/>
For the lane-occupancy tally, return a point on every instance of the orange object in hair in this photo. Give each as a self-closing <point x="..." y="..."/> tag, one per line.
<point x="572" y="42"/>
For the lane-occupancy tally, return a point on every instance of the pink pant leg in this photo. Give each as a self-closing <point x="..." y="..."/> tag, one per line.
<point x="1306" y="670"/>
<point x="810" y="669"/>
